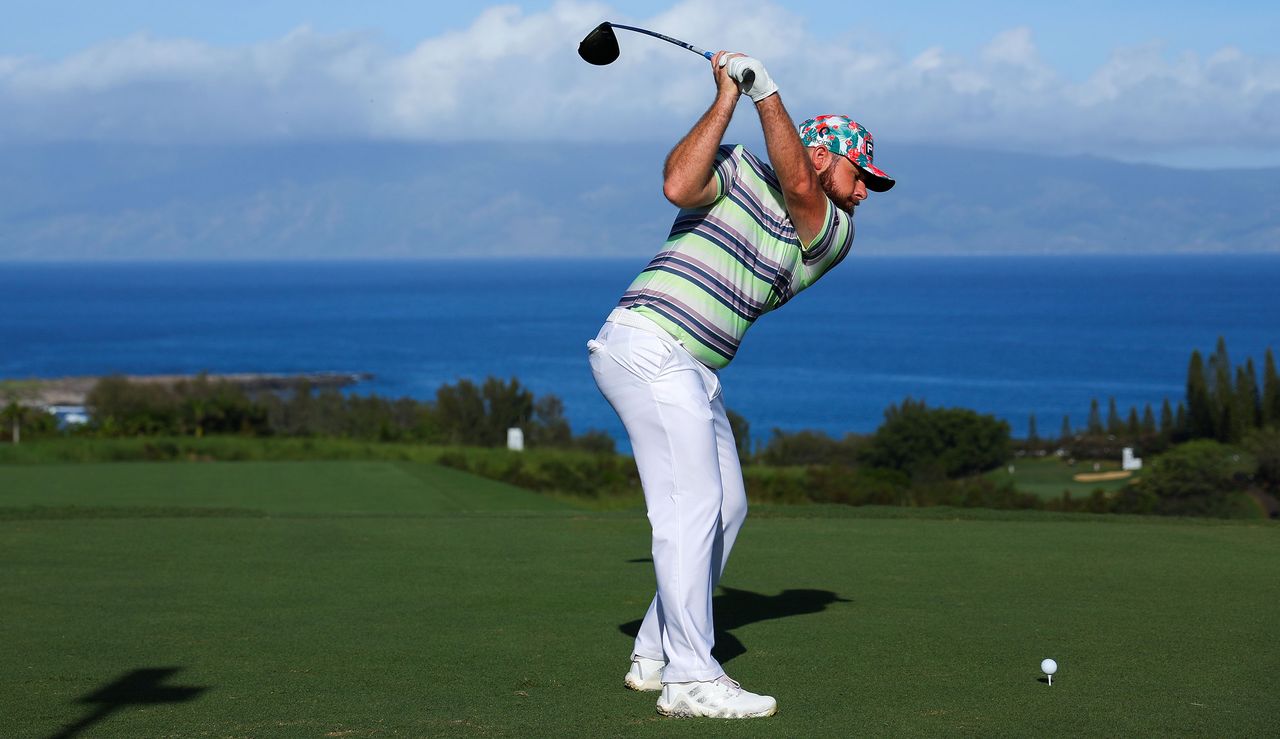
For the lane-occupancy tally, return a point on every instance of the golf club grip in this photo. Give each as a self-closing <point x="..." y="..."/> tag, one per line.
<point x="748" y="79"/>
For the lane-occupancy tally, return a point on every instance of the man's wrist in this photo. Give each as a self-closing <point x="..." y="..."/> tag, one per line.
<point x="769" y="104"/>
<point x="728" y="96"/>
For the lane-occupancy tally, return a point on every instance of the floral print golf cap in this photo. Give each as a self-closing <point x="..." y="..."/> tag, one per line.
<point x="846" y="137"/>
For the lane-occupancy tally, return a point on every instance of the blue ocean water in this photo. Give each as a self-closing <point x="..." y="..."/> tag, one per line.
<point x="1011" y="336"/>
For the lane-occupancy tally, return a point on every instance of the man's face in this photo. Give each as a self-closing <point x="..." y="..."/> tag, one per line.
<point x="841" y="180"/>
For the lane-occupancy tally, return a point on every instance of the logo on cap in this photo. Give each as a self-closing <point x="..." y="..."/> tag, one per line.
<point x="845" y="137"/>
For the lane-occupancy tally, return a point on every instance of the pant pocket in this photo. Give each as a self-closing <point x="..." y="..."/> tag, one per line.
<point x="642" y="354"/>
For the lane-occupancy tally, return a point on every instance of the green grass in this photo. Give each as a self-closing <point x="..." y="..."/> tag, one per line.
<point x="1049" y="477"/>
<point x="382" y="598"/>
<point x="60" y="449"/>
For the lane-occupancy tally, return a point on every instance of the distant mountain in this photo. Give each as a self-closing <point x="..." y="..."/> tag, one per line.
<point x="358" y="200"/>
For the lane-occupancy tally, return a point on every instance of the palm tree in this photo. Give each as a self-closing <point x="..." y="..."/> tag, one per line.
<point x="14" y="414"/>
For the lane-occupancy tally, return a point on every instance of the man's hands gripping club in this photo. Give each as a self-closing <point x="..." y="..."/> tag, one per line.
<point x="689" y="179"/>
<point x="752" y="78"/>
<point x="805" y="199"/>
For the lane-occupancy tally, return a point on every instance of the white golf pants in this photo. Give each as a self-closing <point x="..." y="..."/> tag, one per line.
<point x="671" y="406"/>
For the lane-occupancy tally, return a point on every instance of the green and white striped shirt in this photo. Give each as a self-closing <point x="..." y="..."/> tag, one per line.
<point x="726" y="264"/>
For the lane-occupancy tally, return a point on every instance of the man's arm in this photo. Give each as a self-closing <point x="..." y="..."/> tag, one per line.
<point x="688" y="177"/>
<point x="805" y="199"/>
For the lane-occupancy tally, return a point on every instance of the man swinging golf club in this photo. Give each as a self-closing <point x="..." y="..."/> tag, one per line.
<point x="748" y="237"/>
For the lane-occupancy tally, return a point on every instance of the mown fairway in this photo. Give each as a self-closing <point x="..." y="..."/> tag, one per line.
<point x="396" y="599"/>
<point x="1051" y="477"/>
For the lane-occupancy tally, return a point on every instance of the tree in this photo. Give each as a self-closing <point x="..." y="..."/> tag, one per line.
<point x="1270" y="392"/>
<point x="1149" y="420"/>
<point x="1133" y="428"/>
<point x="133" y="408"/>
<point x="741" y="434"/>
<point x="1167" y="426"/>
<point x="1095" y="418"/>
<point x="1194" y="478"/>
<point x="508" y="405"/>
<point x="480" y="416"/>
<point x="807" y="447"/>
<point x="1264" y="445"/>
<point x="12" y="416"/>
<point x="15" y="398"/>
<point x="1221" y="395"/>
<point x="215" y="406"/>
<point x="1113" y="418"/>
<point x="1032" y="435"/>
<point x="461" y="413"/>
<point x="1065" y="434"/>
<point x="549" y="427"/>
<point x="1246" y="415"/>
<point x="1200" y="413"/>
<point x="930" y="443"/>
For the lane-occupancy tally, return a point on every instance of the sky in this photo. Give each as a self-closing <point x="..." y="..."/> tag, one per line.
<point x="1171" y="82"/>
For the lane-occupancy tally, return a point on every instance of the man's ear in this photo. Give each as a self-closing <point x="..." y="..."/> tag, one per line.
<point x="821" y="158"/>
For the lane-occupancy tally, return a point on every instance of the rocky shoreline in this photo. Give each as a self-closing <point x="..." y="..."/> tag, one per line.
<point x="72" y="391"/>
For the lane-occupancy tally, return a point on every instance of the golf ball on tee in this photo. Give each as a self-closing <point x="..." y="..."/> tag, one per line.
<point x="1048" y="667"/>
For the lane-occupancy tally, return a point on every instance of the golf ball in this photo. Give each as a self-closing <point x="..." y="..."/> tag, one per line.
<point x="1048" y="667"/>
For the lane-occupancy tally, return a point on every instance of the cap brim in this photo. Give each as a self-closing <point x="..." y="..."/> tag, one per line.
<point x="876" y="179"/>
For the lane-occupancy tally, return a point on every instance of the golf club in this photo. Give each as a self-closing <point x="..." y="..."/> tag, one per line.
<point x="600" y="47"/>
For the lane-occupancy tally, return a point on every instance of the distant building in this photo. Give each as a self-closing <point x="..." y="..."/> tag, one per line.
<point x="69" y="415"/>
<point x="1130" y="462"/>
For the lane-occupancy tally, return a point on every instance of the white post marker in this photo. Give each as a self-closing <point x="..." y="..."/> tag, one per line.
<point x="1049" y="667"/>
<point x="515" y="439"/>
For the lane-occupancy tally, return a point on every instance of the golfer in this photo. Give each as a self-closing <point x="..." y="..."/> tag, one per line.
<point x="748" y="237"/>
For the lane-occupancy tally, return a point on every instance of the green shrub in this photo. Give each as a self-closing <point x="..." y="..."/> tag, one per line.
<point x="809" y="447"/>
<point x="585" y="475"/>
<point x="1264" y="445"/>
<point x="464" y="413"/>
<point x="1197" y="478"/>
<point x="934" y="443"/>
<point x="870" y="486"/>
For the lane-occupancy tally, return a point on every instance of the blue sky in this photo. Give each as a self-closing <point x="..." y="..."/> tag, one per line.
<point x="1075" y="36"/>
<point x="1124" y="80"/>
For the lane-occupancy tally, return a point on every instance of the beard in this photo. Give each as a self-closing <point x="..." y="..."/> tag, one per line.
<point x="827" y="179"/>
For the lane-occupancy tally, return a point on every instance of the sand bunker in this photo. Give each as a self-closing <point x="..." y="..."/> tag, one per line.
<point x="1102" y="476"/>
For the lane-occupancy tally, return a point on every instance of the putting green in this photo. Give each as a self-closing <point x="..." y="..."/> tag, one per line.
<point x="386" y="599"/>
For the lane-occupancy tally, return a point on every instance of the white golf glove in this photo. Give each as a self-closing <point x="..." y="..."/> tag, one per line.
<point x="761" y="87"/>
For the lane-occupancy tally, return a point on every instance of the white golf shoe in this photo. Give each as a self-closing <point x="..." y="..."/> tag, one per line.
<point x="719" y="698"/>
<point x="645" y="674"/>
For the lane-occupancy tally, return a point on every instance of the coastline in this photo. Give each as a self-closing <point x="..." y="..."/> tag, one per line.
<point x="72" y="391"/>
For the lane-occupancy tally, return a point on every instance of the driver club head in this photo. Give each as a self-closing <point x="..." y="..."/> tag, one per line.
<point x="600" y="47"/>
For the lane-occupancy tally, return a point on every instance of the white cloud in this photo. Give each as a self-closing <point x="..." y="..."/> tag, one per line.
<point x="513" y="77"/>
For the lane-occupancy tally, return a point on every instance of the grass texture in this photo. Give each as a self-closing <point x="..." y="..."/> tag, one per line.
<point x="383" y="598"/>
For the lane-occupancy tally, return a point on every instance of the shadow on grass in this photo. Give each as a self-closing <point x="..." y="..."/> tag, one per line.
<point x="736" y="608"/>
<point x="137" y="688"/>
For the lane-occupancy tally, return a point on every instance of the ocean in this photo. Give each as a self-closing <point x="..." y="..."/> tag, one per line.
<point x="1009" y="336"/>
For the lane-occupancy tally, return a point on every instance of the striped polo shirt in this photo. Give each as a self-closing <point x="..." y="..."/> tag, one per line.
<point x="727" y="263"/>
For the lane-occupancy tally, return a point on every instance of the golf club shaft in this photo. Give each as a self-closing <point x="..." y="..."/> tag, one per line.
<point x="748" y="79"/>
<point x="668" y="39"/>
